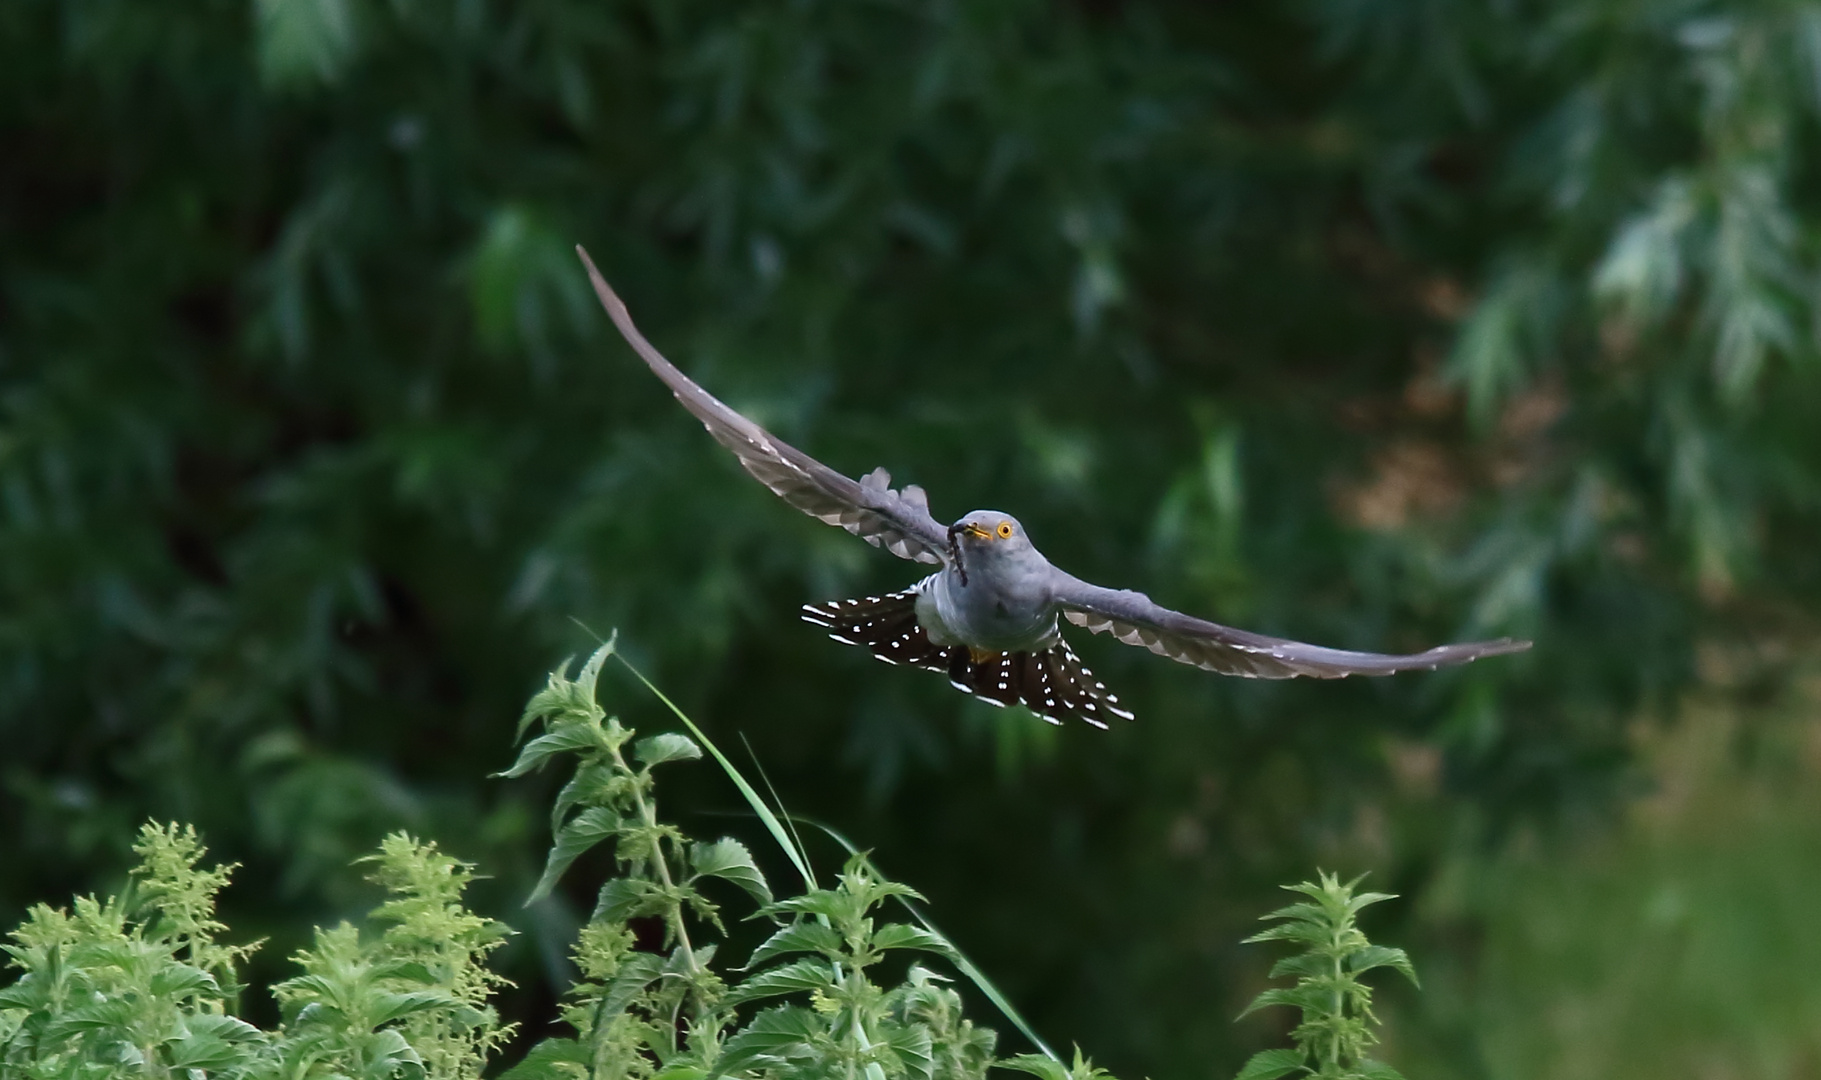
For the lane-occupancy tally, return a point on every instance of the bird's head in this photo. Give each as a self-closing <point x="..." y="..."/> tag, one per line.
<point x="989" y="530"/>
<point x="988" y="536"/>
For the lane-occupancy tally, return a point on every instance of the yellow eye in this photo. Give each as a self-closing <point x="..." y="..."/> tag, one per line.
<point x="1005" y="530"/>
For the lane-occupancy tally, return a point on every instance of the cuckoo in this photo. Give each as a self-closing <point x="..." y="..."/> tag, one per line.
<point x="990" y="616"/>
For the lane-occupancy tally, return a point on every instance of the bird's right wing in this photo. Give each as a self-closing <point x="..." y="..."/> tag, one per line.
<point x="1135" y="619"/>
<point x="898" y="521"/>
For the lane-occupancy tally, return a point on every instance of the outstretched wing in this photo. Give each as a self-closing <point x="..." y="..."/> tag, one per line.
<point x="898" y="521"/>
<point x="1134" y="619"/>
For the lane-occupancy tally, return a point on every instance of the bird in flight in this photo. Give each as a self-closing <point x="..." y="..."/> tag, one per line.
<point x="990" y="616"/>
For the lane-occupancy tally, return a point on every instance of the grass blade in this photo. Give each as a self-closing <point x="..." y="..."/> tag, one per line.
<point x="966" y="966"/>
<point x="793" y="851"/>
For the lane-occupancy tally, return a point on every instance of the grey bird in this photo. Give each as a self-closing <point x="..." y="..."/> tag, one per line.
<point x="990" y="616"/>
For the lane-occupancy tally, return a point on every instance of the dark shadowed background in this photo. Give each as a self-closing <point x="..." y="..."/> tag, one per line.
<point x="1375" y="323"/>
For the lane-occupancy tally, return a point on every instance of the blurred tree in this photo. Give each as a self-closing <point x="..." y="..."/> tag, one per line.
<point x="1363" y="321"/>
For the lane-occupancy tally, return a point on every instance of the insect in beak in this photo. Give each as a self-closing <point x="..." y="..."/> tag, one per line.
<point x="954" y="549"/>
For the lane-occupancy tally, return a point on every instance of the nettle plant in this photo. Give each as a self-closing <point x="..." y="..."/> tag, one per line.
<point x="1337" y="1020"/>
<point x="139" y="985"/>
<point x="677" y="1014"/>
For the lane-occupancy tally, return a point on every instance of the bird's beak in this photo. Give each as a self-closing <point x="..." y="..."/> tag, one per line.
<point x="976" y="532"/>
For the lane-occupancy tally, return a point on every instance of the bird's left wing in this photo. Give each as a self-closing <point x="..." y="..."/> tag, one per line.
<point x="898" y="521"/>
<point x="1133" y="618"/>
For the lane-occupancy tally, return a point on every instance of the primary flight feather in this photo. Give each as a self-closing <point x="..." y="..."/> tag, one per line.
<point x="990" y="615"/>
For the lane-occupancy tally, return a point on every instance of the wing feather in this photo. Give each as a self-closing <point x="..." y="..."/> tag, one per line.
<point x="1135" y="619"/>
<point x="898" y="521"/>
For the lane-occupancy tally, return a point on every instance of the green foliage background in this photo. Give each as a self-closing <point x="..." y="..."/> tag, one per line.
<point x="1365" y="321"/>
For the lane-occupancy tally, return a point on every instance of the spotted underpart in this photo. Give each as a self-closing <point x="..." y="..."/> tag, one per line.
<point x="1054" y="683"/>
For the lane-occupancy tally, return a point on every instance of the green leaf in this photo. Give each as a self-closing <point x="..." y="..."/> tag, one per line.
<point x="1300" y="996"/>
<point x="960" y="960"/>
<point x="1302" y="933"/>
<point x="824" y="902"/>
<point x="30" y="992"/>
<point x="213" y="1042"/>
<point x="805" y="974"/>
<point x="636" y="973"/>
<point x="547" y="1059"/>
<point x="594" y="784"/>
<point x="589" y="828"/>
<point x="1377" y="956"/>
<point x="590" y="674"/>
<point x="1309" y="914"/>
<point x="1302" y="964"/>
<point x="1271" y="1064"/>
<point x="772" y="825"/>
<point x="729" y="860"/>
<point x="568" y="735"/>
<point x="1048" y="1068"/>
<point x="913" y="1046"/>
<point x="1378" y="1070"/>
<point x="627" y="898"/>
<point x="903" y="936"/>
<point x="670" y="746"/>
<point x="1364" y="900"/>
<point x="390" y="1007"/>
<point x="779" y="1033"/>
<point x="797" y="937"/>
<point x="181" y="980"/>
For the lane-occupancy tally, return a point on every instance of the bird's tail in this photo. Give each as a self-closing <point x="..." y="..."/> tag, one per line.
<point x="885" y="624"/>
<point x="1053" y="683"/>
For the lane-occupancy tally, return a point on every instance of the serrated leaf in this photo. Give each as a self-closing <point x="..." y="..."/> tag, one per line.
<point x="589" y="828"/>
<point x="1301" y="933"/>
<point x="414" y="970"/>
<point x="1378" y="1070"/>
<point x="115" y="1014"/>
<point x="546" y="1059"/>
<point x="591" y="784"/>
<point x="1037" y="1065"/>
<point x="729" y="860"/>
<point x="230" y="1028"/>
<point x="636" y="973"/>
<point x="781" y="1032"/>
<point x="1377" y="956"/>
<point x="179" y="980"/>
<point x="591" y="670"/>
<point x="213" y="1042"/>
<point x="627" y="898"/>
<point x="570" y="735"/>
<point x="806" y="974"/>
<point x="1271" y="1064"/>
<point x="1300" y="996"/>
<point x="391" y="1007"/>
<point x="1302" y="913"/>
<point x="28" y="993"/>
<point x="797" y="937"/>
<point x="1302" y="964"/>
<point x="914" y="1049"/>
<point x="904" y="936"/>
<point x="670" y="746"/>
<point x="824" y="902"/>
<point x="1365" y="900"/>
<point x="389" y="1047"/>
